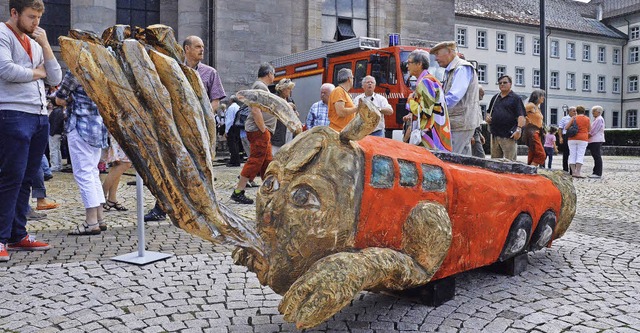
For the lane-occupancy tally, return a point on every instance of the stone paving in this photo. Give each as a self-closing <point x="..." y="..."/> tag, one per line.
<point x="588" y="281"/>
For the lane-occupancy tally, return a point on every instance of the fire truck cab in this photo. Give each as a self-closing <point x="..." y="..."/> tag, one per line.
<point x="364" y="56"/>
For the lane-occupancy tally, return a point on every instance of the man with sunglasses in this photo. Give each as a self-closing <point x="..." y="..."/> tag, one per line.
<point x="506" y="117"/>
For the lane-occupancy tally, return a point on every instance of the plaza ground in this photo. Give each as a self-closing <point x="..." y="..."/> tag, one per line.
<point x="588" y="281"/>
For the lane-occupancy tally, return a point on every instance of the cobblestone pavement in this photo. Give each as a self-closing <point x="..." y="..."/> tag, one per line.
<point x="588" y="281"/>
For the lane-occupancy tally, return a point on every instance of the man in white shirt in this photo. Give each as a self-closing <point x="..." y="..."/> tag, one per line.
<point x="369" y="85"/>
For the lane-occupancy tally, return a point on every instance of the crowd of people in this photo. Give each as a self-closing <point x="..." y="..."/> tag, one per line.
<point x="442" y="116"/>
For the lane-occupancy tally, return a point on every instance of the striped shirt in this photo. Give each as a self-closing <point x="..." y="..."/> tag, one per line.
<point x="211" y="80"/>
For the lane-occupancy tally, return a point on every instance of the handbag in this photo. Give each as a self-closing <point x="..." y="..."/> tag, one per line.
<point x="416" y="134"/>
<point x="416" y="137"/>
<point x="573" y="129"/>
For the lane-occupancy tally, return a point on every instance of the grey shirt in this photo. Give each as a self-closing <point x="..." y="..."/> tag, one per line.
<point x="18" y="90"/>
<point x="269" y="119"/>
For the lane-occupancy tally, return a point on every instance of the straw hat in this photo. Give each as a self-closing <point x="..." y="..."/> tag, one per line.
<point x="451" y="45"/>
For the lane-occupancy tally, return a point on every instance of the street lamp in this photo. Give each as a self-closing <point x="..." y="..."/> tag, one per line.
<point x="565" y="109"/>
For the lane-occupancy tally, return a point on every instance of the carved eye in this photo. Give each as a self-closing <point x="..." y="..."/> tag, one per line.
<point x="270" y="184"/>
<point x="304" y="196"/>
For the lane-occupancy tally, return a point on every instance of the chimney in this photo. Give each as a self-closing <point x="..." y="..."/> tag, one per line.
<point x="599" y="12"/>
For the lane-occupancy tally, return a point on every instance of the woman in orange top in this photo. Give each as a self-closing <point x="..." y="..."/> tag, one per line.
<point x="533" y="129"/>
<point x="578" y="143"/>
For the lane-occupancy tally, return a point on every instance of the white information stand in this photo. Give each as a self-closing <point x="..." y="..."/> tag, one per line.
<point x="141" y="257"/>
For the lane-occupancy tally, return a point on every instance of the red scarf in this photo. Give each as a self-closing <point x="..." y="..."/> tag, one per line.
<point x="24" y="41"/>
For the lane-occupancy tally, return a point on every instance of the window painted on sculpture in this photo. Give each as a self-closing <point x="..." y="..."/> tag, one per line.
<point x="382" y="172"/>
<point x="408" y="173"/>
<point x="433" y="178"/>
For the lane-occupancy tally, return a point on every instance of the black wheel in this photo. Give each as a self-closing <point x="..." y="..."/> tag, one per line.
<point x="518" y="237"/>
<point x="544" y="231"/>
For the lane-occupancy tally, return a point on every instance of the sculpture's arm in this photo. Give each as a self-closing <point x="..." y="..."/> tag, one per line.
<point x="332" y="282"/>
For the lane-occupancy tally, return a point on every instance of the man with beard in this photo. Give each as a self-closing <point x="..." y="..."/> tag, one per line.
<point x="26" y="64"/>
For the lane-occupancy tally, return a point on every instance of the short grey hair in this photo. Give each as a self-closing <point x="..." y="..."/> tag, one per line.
<point x="265" y="69"/>
<point x="344" y="75"/>
<point x="597" y="108"/>
<point x="369" y="77"/>
<point x="421" y="57"/>
<point x="328" y="85"/>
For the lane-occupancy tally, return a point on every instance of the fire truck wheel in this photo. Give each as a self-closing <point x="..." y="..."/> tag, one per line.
<point x="518" y="237"/>
<point x="544" y="231"/>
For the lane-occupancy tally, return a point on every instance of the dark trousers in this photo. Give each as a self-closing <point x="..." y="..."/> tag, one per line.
<point x="549" y="151"/>
<point x="565" y="153"/>
<point x="596" y="152"/>
<point x="233" y="142"/>
<point x="23" y="138"/>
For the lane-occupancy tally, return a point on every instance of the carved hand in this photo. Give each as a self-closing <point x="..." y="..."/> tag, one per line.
<point x="332" y="282"/>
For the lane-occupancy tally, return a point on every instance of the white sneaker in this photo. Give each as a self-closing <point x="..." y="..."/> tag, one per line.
<point x="595" y="176"/>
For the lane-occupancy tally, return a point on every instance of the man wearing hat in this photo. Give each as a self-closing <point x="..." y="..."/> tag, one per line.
<point x="460" y="85"/>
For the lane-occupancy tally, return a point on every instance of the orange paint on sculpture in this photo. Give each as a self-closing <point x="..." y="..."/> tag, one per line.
<point x="482" y="204"/>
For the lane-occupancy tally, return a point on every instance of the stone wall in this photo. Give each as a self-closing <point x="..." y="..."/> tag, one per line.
<point x="4" y="10"/>
<point x="250" y="32"/>
<point x="93" y="15"/>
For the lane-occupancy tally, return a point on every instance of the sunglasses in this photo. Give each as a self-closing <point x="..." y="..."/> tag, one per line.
<point x="504" y="82"/>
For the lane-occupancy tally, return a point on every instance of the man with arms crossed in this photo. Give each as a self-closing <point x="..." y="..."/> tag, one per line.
<point x="26" y="64"/>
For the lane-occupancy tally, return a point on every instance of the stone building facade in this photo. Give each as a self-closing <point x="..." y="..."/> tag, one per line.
<point x="592" y="52"/>
<point x="239" y="34"/>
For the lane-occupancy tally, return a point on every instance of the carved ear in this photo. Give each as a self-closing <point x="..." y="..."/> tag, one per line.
<point x="306" y="149"/>
<point x="366" y="120"/>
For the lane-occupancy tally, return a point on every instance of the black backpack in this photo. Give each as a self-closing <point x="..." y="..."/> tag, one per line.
<point x="241" y="116"/>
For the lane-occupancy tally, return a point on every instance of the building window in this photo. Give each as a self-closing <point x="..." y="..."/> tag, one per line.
<point x="554" y="80"/>
<point x="519" y="76"/>
<point x="634" y="54"/>
<point x="138" y="13"/>
<point x="482" y="73"/>
<point x="536" y="78"/>
<point x="571" y="51"/>
<point x="616" y="85"/>
<point x="586" y="52"/>
<point x="343" y="19"/>
<point x="553" y="118"/>
<point x="461" y="37"/>
<point x="616" y="56"/>
<point x="571" y="81"/>
<point x="615" y="119"/>
<point x="633" y="83"/>
<point x="501" y="42"/>
<point x="602" y="84"/>
<point x="586" y="82"/>
<point x="554" y="50"/>
<point x="500" y="71"/>
<point x="519" y="44"/>
<point x="634" y="32"/>
<point x="602" y="54"/>
<point x="536" y="46"/>
<point x="57" y="20"/>
<point x="632" y="118"/>
<point x="481" y="39"/>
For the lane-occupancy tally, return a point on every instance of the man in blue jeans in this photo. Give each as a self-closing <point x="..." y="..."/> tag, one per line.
<point x="26" y="64"/>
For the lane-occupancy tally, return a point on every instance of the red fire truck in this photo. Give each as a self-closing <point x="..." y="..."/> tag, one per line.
<point x="364" y="56"/>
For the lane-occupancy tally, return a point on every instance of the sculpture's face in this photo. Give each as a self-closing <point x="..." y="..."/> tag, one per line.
<point x="307" y="204"/>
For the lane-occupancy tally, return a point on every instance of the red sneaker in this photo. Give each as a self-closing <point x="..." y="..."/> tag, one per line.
<point x="29" y="243"/>
<point x="4" y="255"/>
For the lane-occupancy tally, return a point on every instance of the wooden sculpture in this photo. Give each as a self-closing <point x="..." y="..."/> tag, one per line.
<point x="337" y="213"/>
